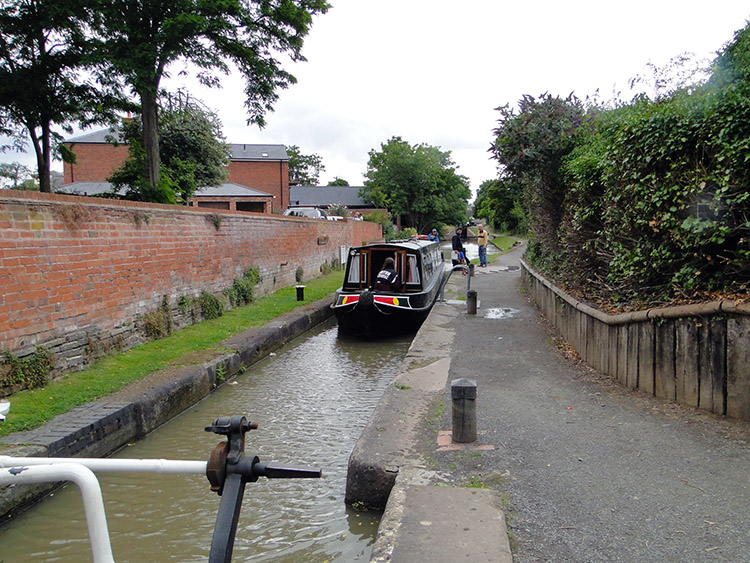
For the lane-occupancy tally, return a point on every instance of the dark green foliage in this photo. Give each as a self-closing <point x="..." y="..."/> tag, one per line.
<point x="501" y="203"/>
<point x="241" y="292"/>
<point x="653" y="195"/>
<point x="158" y="324"/>
<point x="298" y="273"/>
<point x="43" y="51"/>
<point x="531" y="145"/>
<point x="418" y="182"/>
<point x="211" y="306"/>
<point x="304" y="169"/>
<point x="192" y="148"/>
<point x="384" y="220"/>
<point x="30" y="372"/>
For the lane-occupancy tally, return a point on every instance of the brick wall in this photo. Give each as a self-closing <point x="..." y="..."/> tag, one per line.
<point x="77" y="273"/>
<point x="94" y="162"/>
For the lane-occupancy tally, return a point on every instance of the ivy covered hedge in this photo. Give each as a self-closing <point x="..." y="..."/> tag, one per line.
<point x="643" y="202"/>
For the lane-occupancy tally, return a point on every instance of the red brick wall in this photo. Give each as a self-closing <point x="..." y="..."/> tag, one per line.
<point x="75" y="268"/>
<point x="94" y="162"/>
<point x="269" y="177"/>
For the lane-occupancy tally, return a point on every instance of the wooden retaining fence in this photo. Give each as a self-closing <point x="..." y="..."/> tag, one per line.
<point x="697" y="355"/>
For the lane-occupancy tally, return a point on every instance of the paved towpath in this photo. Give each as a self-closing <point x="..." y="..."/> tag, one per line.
<point x="589" y="471"/>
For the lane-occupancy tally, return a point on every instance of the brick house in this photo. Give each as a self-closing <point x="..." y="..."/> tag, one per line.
<point x="258" y="174"/>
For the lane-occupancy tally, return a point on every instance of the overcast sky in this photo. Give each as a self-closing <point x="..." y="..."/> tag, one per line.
<point x="433" y="71"/>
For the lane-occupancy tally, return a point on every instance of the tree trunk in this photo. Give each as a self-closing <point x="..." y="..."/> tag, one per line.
<point x="43" y="155"/>
<point x="151" y="136"/>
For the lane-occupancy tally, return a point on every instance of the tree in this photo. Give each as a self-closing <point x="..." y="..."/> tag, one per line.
<point x="338" y="182"/>
<point x="42" y="54"/>
<point x="304" y="170"/>
<point x="531" y="146"/>
<point x="142" y="40"/>
<point x="194" y="154"/>
<point x="14" y="175"/>
<point x="418" y="182"/>
<point x="501" y="203"/>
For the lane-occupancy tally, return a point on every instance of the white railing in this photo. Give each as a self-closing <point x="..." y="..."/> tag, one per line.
<point x="26" y="470"/>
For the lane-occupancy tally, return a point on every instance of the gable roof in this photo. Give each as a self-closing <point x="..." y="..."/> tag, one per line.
<point x="323" y="196"/>
<point x="237" y="151"/>
<point x="97" y="137"/>
<point x="257" y="152"/>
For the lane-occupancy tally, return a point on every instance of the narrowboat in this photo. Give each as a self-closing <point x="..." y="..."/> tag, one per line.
<point x="366" y="312"/>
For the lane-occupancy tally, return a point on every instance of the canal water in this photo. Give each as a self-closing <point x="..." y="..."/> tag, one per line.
<point x="311" y="401"/>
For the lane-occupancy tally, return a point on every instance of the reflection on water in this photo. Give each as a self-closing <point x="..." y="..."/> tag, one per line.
<point x="311" y="401"/>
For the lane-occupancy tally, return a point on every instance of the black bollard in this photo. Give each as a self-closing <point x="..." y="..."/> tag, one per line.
<point x="464" y="395"/>
<point x="300" y="292"/>
<point x="471" y="302"/>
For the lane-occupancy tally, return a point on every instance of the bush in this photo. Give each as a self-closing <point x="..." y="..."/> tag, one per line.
<point x="211" y="306"/>
<point x="30" y="372"/>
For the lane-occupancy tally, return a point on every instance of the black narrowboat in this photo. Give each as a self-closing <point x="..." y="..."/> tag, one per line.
<point x="368" y="313"/>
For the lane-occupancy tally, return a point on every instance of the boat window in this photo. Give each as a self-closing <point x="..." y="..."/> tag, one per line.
<point x="412" y="271"/>
<point x="353" y="269"/>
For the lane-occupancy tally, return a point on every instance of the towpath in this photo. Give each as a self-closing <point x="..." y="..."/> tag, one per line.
<point x="588" y="471"/>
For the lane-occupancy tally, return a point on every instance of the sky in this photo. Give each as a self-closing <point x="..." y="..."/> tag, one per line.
<point x="434" y="71"/>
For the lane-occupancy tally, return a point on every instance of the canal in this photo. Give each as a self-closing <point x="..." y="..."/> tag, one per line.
<point x="311" y="401"/>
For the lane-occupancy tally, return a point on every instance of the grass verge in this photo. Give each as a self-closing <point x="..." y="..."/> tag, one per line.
<point x="33" y="408"/>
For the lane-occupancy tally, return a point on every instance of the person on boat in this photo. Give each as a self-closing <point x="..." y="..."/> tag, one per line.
<point x="387" y="279"/>
<point x="482" y="238"/>
<point x="433" y="235"/>
<point x="458" y="256"/>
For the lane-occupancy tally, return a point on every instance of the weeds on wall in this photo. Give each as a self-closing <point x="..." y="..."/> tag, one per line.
<point x="211" y="306"/>
<point x="157" y="324"/>
<point x="140" y="218"/>
<point x="241" y="291"/>
<point x="26" y="373"/>
<point x="215" y="220"/>
<point x="73" y="215"/>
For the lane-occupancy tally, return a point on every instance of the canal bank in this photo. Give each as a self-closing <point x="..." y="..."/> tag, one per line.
<point x="586" y="469"/>
<point x="99" y="428"/>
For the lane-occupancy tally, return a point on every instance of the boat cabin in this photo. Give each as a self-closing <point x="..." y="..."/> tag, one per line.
<point x="416" y="262"/>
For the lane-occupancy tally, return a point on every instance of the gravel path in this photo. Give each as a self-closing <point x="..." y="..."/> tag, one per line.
<point x="591" y="471"/>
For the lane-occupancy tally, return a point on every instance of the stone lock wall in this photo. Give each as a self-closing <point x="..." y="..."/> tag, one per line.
<point x="77" y="273"/>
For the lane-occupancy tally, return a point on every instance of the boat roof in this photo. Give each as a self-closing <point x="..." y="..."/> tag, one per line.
<point x="410" y="244"/>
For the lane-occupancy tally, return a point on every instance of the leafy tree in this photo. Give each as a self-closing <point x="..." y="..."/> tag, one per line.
<point x="42" y="56"/>
<point x="304" y="170"/>
<point x="194" y="154"/>
<point x="418" y="182"/>
<point x="531" y="145"/>
<point x="142" y="40"/>
<point x="14" y="175"/>
<point x="501" y="203"/>
<point x="338" y="182"/>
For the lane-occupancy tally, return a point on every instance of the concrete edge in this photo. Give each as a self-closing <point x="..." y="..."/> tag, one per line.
<point x="387" y="472"/>
<point x="387" y="441"/>
<point x="102" y="427"/>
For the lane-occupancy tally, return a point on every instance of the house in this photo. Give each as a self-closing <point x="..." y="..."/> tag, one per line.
<point x="326" y="196"/>
<point x="258" y="174"/>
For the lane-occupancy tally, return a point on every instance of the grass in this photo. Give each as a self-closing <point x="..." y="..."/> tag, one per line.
<point x="33" y="408"/>
<point x="503" y="242"/>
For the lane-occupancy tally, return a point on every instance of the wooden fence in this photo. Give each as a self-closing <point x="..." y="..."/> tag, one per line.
<point x="697" y="355"/>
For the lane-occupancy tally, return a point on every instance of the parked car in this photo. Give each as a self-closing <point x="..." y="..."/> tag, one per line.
<point x="309" y="212"/>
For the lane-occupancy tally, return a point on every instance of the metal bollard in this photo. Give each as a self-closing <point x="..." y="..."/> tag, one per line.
<point x="471" y="302"/>
<point x="300" y="292"/>
<point x="471" y="269"/>
<point x="464" y="395"/>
